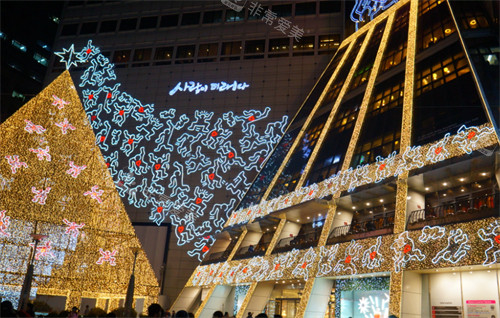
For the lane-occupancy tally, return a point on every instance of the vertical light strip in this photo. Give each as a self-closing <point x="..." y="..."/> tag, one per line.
<point x="237" y="245"/>
<point x="307" y="122"/>
<point x="306" y="294"/>
<point x="333" y="113"/>
<point x="204" y="303"/>
<point x="406" y="123"/>
<point x="368" y="93"/>
<point x="395" y="292"/>
<point x="477" y="81"/>
<point x="327" y="224"/>
<point x="276" y="236"/>
<point x="246" y="301"/>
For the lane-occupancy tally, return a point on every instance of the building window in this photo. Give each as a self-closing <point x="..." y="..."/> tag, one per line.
<point x="212" y="17"/>
<point x="40" y="59"/>
<point x="185" y="53"/>
<point x="164" y="54"/>
<point x="69" y="29"/>
<point x="128" y="24"/>
<point x="207" y="50"/>
<point x="142" y="55"/>
<point x="279" y="45"/>
<point x="148" y="22"/>
<point x="381" y="130"/>
<point x="395" y="52"/>
<point x="231" y="48"/>
<point x="88" y="28"/>
<point x="329" y="43"/>
<point x="443" y="71"/>
<point x="472" y="15"/>
<point x="283" y="10"/>
<point x="18" y="95"/>
<point x="434" y="26"/>
<point x="108" y="26"/>
<point x="329" y="6"/>
<point x="305" y="8"/>
<point x="234" y="16"/>
<point x="169" y="20"/>
<point x="305" y="44"/>
<point x="255" y="46"/>
<point x="190" y="18"/>
<point x="19" y="45"/>
<point x="42" y="44"/>
<point x="122" y="56"/>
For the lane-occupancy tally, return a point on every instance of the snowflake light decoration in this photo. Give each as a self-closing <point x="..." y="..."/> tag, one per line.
<point x="107" y="256"/>
<point x="95" y="193"/>
<point x="43" y="251"/>
<point x="4" y="224"/>
<point x="73" y="228"/>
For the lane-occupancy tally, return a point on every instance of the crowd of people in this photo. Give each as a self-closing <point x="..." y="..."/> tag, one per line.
<point x="154" y="310"/>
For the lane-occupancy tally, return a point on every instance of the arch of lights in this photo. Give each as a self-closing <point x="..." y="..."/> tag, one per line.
<point x="139" y="145"/>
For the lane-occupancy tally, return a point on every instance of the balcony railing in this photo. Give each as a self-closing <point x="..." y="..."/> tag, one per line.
<point x="217" y="257"/>
<point x="357" y="230"/>
<point x="473" y="208"/>
<point x="251" y="251"/>
<point x="299" y="242"/>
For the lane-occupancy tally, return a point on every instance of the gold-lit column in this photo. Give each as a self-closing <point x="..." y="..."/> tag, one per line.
<point x="307" y="122"/>
<point x="100" y="302"/>
<point x="368" y="93"/>
<point x="333" y="113"/>
<point x="396" y="283"/>
<point x="238" y="244"/>
<point x="306" y="294"/>
<point x="204" y="303"/>
<point x="114" y="303"/>
<point x="73" y="299"/>
<point x="406" y="128"/>
<point x="327" y="224"/>
<point x="246" y="301"/>
<point x="276" y="236"/>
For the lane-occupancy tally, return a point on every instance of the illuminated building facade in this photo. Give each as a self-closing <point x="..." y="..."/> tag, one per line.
<point x="156" y="46"/>
<point x="383" y="196"/>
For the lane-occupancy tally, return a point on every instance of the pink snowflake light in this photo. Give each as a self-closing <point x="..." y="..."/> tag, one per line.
<point x="95" y="193"/>
<point x="59" y="102"/>
<point x="107" y="256"/>
<point x="31" y="128"/>
<point x="42" y="251"/>
<point x="40" y="195"/>
<point x="14" y="163"/>
<point x="75" y="170"/>
<point x="73" y="228"/>
<point x="65" y="125"/>
<point x="4" y="224"/>
<point x="42" y="153"/>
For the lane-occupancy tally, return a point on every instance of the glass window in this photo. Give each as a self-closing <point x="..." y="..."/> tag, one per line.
<point x="40" y="59"/>
<point x="164" y="53"/>
<point x="395" y="52"/>
<point x="148" y="22"/>
<point x="231" y="48"/>
<point x="19" y="45"/>
<point x="279" y="45"/>
<point x="128" y="24"/>
<point x="208" y="49"/>
<point x="305" y="8"/>
<point x="108" y="26"/>
<point x="69" y="29"/>
<point x="305" y="44"/>
<point x="434" y="26"/>
<point x="329" y="42"/>
<point x="255" y="46"/>
<point x="283" y="10"/>
<point x="122" y="56"/>
<point x="185" y="51"/>
<point x="190" y="18"/>
<point x="234" y="16"/>
<point x="88" y="28"/>
<point x="169" y="20"/>
<point x="212" y="16"/>
<point x="142" y="55"/>
<point x="329" y="6"/>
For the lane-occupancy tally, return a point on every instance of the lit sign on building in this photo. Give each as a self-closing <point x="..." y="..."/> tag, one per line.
<point x="197" y="87"/>
<point x="370" y="8"/>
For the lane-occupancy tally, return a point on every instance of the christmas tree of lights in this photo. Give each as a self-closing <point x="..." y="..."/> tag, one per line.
<point x="59" y="186"/>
